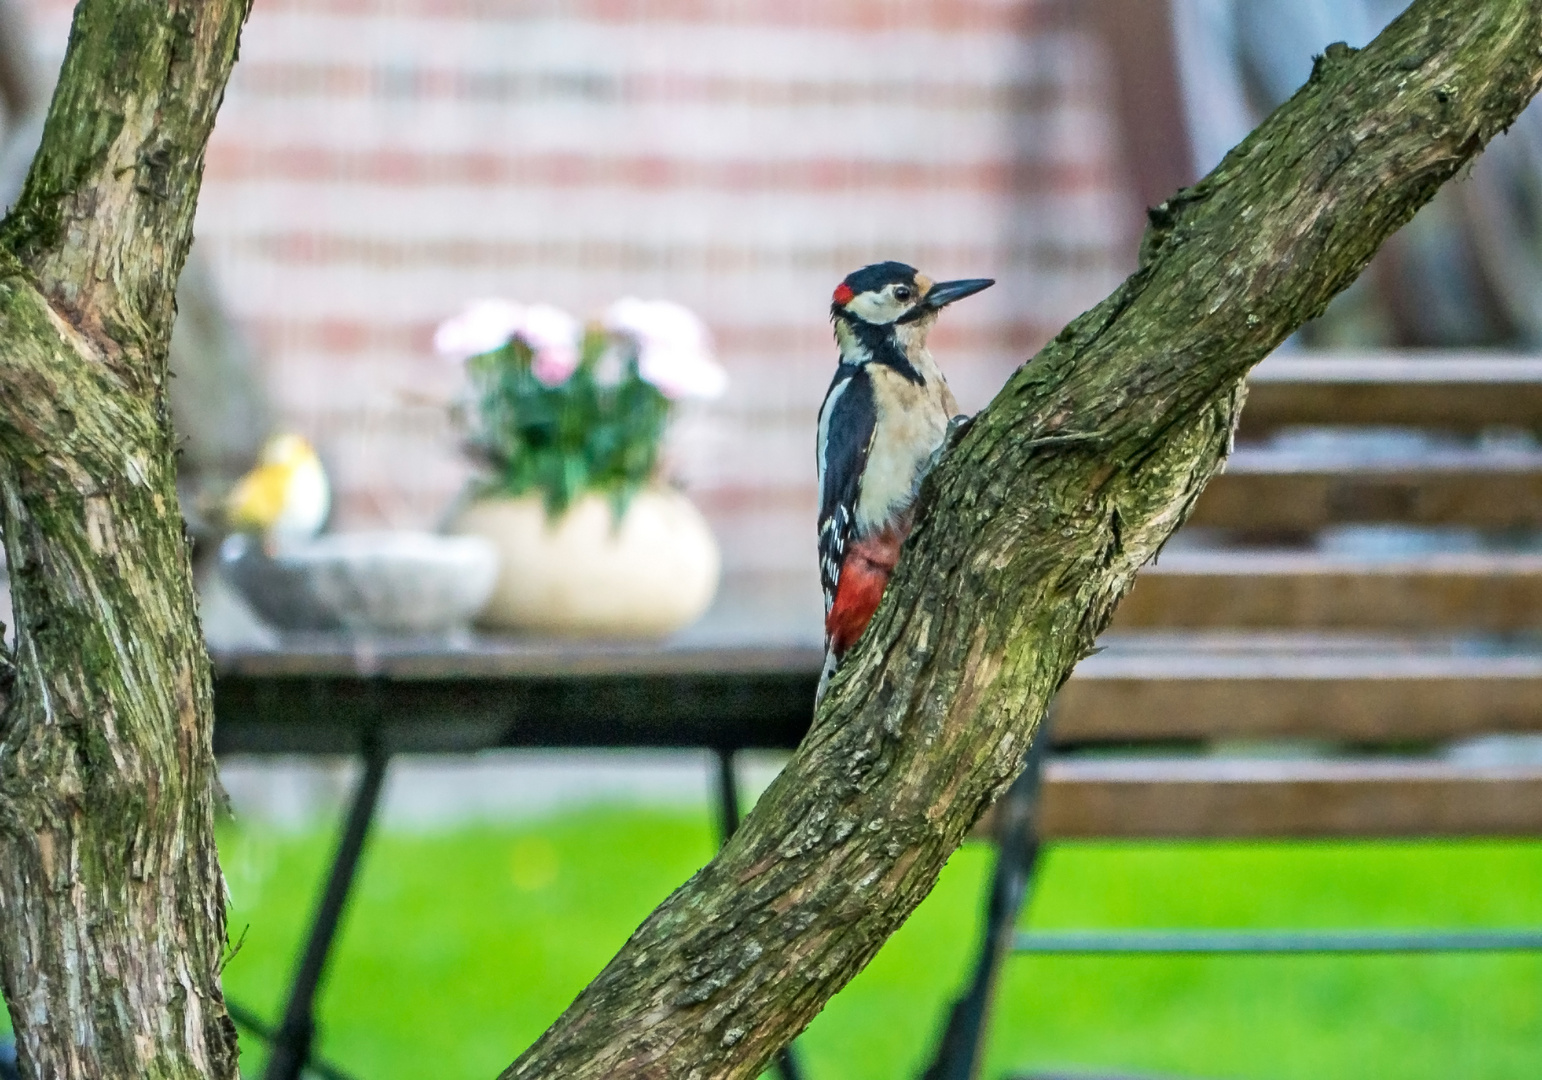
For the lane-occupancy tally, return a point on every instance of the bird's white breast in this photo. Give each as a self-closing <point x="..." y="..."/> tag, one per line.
<point x="912" y="422"/>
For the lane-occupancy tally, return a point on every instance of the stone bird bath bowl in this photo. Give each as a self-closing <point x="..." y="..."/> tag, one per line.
<point x="366" y="582"/>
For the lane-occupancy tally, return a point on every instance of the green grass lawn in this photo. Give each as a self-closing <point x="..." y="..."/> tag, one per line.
<point x="460" y="947"/>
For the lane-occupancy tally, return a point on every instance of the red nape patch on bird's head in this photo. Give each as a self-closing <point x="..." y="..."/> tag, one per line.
<point x="843" y="294"/>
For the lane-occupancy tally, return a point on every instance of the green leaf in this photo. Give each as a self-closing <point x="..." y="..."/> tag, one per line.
<point x="568" y="440"/>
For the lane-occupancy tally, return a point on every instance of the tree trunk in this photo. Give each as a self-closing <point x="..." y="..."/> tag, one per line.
<point x="111" y="901"/>
<point x="1032" y="528"/>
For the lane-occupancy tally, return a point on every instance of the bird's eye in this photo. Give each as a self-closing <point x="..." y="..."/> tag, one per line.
<point x="903" y="292"/>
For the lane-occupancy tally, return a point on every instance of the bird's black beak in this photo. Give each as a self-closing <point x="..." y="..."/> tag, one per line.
<point x="945" y="292"/>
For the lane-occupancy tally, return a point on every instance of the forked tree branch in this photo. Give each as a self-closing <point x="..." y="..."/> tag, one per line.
<point x="1033" y="528"/>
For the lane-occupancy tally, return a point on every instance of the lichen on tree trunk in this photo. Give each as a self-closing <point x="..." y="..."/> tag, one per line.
<point x="1033" y="527"/>
<point x="111" y="899"/>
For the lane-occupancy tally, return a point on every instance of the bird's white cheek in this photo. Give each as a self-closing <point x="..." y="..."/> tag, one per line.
<point x="874" y="308"/>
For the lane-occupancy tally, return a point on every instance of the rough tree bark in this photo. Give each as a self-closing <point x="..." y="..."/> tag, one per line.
<point x="111" y="900"/>
<point x="1034" y="526"/>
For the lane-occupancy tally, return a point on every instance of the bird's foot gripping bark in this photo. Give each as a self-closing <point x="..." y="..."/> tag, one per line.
<point x="957" y="427"/>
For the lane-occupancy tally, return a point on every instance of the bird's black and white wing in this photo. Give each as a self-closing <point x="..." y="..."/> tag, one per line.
<point x="846" y="424"/>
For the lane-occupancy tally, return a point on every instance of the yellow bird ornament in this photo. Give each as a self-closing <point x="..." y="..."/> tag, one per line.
<point x="285" y="498"/>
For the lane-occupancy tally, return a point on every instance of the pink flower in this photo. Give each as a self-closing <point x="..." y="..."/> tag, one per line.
<point x="551" y="334"/>
<point x="484" y="326"/>
<point x="553" y="337"/>
<point x="674" y="351"/>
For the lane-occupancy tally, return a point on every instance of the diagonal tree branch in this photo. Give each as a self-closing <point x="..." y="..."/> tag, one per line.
<point x="1034" y="527"/>
<point x="111" y="898"/>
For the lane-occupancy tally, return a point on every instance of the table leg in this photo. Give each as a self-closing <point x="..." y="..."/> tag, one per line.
<point x="291" y="1045"/>
<point x="727" y="796"/>
<point x="728" y="823"/>
<point x="254" y="1024"/>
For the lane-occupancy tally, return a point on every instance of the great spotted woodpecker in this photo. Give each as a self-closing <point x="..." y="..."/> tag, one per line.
<point x="883" y="420"/>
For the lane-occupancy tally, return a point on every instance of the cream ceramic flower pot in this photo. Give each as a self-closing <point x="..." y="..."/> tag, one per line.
<point x="582" y="576"/>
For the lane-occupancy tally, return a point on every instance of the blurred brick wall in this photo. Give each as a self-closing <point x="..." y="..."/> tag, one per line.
<point x="378" y="163"/>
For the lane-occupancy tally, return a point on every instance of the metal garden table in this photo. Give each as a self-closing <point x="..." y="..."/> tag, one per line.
<point x="373" y="699"/>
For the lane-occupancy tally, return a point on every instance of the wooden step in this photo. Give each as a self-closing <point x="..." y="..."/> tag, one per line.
<point x="1369" y="691"/>
<point x="1258" y="589"/>
<point x="1270" y="490"/>
<point x="1237" y="797"/>
<point x="1454" y="391"/>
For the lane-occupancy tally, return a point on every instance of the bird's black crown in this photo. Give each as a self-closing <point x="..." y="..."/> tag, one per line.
<point x="876" y="276"/>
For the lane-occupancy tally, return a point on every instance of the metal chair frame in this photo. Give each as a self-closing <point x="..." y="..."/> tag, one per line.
<point x="960" y="1051"/>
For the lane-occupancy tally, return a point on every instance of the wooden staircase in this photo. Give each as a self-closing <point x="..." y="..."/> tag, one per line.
<point x="1268" y="622"/>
